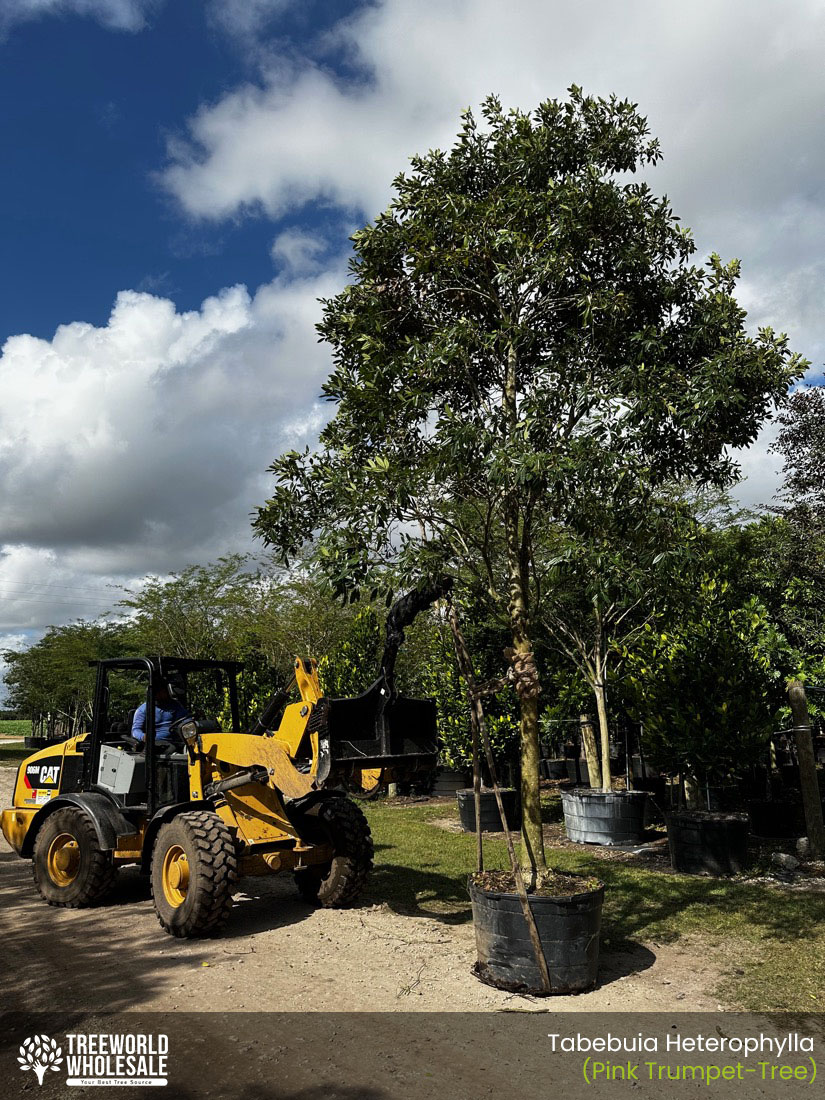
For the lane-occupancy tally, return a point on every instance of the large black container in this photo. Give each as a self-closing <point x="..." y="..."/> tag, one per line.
<point x="569" y="933"/>
<point x="775" y="818"/>
<point x="35" y="743"/>
<point x="448" y="781"/>
<point x="577" y="770"/>
<point x="553" y="769"/>
<point x="715" y="843"/>
<point x="583" y="776"/>
<point x="490" y="819"/>
<point x="604" y="817"/>
<point x="642" y="772"/>
<point x="658" y="801"/>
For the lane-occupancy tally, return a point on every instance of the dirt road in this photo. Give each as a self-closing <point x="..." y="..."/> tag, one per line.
<point x="279" y="954"/>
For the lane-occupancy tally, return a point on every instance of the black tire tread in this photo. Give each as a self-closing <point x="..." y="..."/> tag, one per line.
<point x="212" y="880"/>
<point x="341" y="881"/>
<point x="101" y="872"/>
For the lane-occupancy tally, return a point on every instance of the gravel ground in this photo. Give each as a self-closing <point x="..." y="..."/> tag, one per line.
<point x="279" y="954"/>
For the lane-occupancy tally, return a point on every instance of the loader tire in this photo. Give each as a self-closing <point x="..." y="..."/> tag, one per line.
<point x="342" y="879"/>
<point x="194" y="871"/>
<point x="70" y="868"/>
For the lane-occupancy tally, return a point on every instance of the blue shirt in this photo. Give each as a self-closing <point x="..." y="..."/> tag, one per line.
<point x="164" y="717"/>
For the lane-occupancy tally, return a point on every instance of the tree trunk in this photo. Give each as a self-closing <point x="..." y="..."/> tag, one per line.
<point x="807" y="769"/>
<point x="532" y="839"/>
<point x="521" y="657"/>
<point x="601" y="706"/>
<point x="590" y="751"/>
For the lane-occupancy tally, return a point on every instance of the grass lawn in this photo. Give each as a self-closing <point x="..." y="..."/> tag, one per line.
<point x="13" y="753"/>
<point x="770" y="940"/>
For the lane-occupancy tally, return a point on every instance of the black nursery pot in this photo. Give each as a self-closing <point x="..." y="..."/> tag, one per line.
<point x="713" y="843"/>
<point x="490" y="818"/>
<point x="42" y="742"/>
<point x="604" y="817"/>
<point x="568" y="929"/>
<point x="776" y="819"/>
<point x="553" y="769"/>
<point x="449" y="780"/>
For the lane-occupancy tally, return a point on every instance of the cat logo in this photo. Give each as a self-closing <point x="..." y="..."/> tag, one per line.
<point x="42" y="775"/>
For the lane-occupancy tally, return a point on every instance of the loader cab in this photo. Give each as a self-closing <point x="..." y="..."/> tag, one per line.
<point x="145" y="776"/>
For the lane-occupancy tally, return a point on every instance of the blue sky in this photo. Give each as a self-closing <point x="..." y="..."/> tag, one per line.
<point x="179" y="181"/>
<point x="87" y="115"/>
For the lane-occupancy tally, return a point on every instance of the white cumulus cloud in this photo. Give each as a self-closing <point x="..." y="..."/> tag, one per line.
<point x="733" y="90"/>
<point x="118" y="15"/>
<point x="142" y="445"/>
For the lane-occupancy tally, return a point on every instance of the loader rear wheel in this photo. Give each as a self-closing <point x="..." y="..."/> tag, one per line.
<point x="342" y="879"/>
<point x="70" y="869"/>
<point x="194" y="871"/>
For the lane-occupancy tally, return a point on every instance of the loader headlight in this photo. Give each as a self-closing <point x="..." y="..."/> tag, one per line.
<point x="189" y="730"/>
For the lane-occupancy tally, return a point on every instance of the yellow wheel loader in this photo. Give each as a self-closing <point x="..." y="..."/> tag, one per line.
<point x="204" y="806"/>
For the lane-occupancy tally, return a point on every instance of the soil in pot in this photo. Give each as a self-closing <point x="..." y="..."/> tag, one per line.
<point x="604" y="817"/>
<point x="490" y="818"/>
<point x="713" y="843"/>
<point x="567" y="910"/>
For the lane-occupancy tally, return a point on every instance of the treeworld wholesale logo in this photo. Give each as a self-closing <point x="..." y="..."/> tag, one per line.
<point x="99" y="1059"/>
<point x="40" y="1053"/>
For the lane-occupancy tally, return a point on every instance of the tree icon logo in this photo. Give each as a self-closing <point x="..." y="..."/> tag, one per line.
<point x="40" y="1053"/>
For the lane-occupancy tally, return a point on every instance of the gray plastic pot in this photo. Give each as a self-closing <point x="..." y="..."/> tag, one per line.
<point x="604" y="817"/>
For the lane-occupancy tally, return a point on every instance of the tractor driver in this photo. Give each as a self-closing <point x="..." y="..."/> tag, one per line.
<point x="167" y="711"/>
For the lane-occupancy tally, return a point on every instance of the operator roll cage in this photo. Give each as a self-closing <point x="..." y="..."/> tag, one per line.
<point x="159" y="670"/>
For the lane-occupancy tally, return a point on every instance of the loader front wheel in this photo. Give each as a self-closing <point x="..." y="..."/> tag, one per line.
<point x="339" y="881"/>
<point x="70" y="869"/>
<point x="194" y="871"/>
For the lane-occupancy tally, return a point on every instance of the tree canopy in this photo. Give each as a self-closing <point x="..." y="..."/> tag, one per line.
<point x="524" y="318"/>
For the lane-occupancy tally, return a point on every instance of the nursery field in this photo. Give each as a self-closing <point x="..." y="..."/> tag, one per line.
<point x="669" y="942"/>
<point x="14" y="727"/>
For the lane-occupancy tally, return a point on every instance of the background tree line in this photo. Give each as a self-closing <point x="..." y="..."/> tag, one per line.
<point x="732" y="610"/>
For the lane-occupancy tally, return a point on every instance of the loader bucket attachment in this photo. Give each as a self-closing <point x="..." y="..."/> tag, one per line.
<point x="374" y="731"/>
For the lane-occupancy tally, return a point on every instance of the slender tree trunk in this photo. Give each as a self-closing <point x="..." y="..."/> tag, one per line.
<point x="590" y="751"/>
<point x="523" y="662"/>
<point x="600" y="691"/>
<point x="601" y="705"/>
<point x="807" y="769"/>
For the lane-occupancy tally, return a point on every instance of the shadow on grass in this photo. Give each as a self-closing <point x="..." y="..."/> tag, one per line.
<point x="12" y="755"/>
<point x="666" y="905"/>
